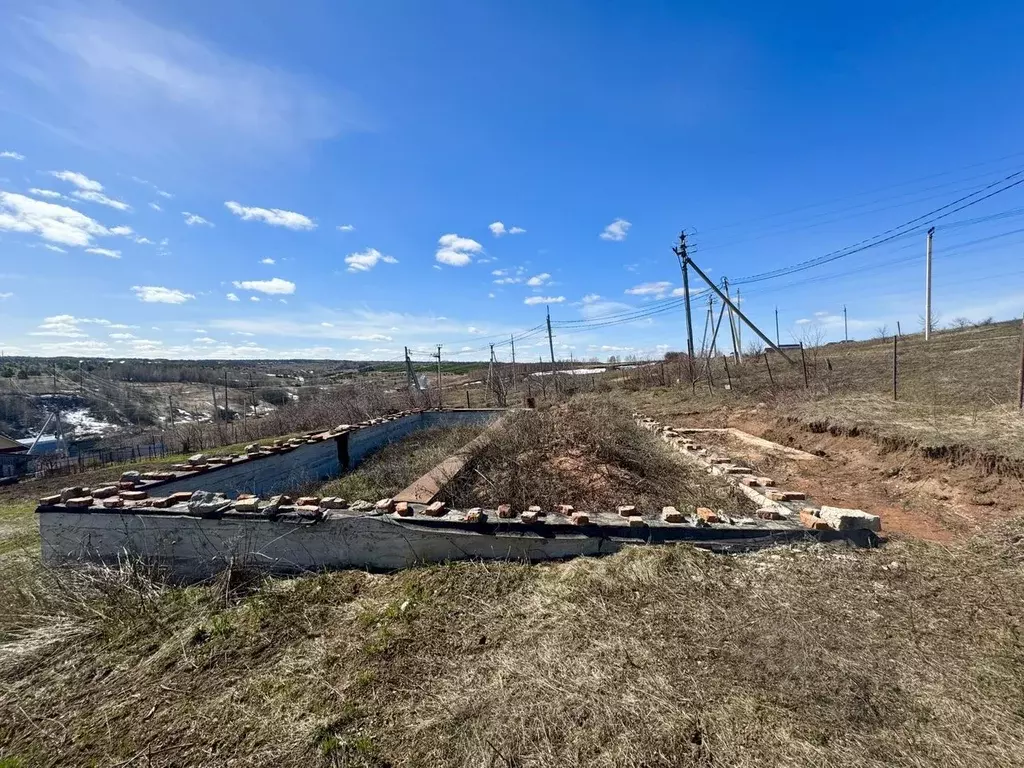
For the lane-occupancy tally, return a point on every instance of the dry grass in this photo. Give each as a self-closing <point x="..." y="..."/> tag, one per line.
<point x="907" y="656"/>
<point x="587" y="452"/>
<point x="396" y="466"/>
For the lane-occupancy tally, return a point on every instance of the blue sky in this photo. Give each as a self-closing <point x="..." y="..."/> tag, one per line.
<point x="340" y="180"/>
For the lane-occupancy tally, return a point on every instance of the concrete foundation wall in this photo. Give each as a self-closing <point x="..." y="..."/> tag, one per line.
<point x="189" y="549"/>
<point x="284" y="472"/>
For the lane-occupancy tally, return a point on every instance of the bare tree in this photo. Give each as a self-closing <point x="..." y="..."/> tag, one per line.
<point x="882" y="331"/>
<point x="959" y="323"/>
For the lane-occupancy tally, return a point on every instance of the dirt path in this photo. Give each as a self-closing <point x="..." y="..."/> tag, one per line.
<point x="915" y="496"/>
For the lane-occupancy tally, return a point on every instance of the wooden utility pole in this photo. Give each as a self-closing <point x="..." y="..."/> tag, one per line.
<point x="213" y="391"/>
<point x="684" y="261"/>
<point x="777" y="341"/>
<point x="928" y="286"/>
<point x="225" y="394"/>
<point x="846" y="327"/>
<point x="803" y="360"/>
<point x="769" y="367"/>
<point x="732" y="322"/>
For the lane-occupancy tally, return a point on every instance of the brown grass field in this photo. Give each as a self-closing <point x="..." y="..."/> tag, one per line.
<point x="911" y="654"/>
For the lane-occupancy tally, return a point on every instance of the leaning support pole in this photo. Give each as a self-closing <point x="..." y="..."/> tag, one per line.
<point x="736" y="309"/>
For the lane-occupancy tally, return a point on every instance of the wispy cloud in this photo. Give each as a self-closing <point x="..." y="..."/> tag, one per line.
<point x="366" y="260"/>
<point x="155" y="294"/>
<point x="267" y="261"/>
<point x="231" y="297"/>
<point x="543" y="300"/>
<point x="346" y="228"/>
<point x="456" y="251"/>
<point x="195" y="220"/>
<point x="120" y="79"/>
<point x="155" y="206"/>
<point x="650" y="289"/>
<point x="616" y="231"/>
<point x="49" y="193"/>
<point x="275" y="217"/>
<point x="273" y="286"/>
<point x="538" y="280"/>
<point x="11" y="155"/>
<point x="99" y="197"/>
<point x="110" y="254"/>
<point x="80" y="180"/>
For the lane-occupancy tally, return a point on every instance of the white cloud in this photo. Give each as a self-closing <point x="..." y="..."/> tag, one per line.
<point x="590" y="298"/>
<point x="267" y="260"/>
<point x="490" y="295"/>
<point x="367" y="260"/>
<point x="5" y="295"/>
<point x="498" y="229"/>
<point x="543" y="300"/>
<point x="204" y="340"/>
<point x="155" y="206"/>
<point x="8" y="154"/>
<point x="538" y="280"/>
<point x="370" y="337"/>
<point x="168" y="195"/>
<point x="272" y="216"/>
<point x="499" y="272"/>
<point x="508" y="280"/>
<point x="616" y="231"/>
<point x="650" y="289"/>
<point x="346" y="228"/>
<point x="122" y="336"/>
<point x="123" y="231"/>
<point x="803" y="321"/>
<point x="99" y="197"/>
<point x="50" y="221"/>
<point x="104" y="252"/>
<point x="232" y="297"/>
<point x="80" y="180"/>
<point x="144" y="241"/>
<point x="254" y="298"/>
<point x="44" y="193"/>
<point x="473" y="329"/>
<point x="56" y="248"/>
<point x="273" y="286"/>
<point x="155" y="294"/>
<point x="195" y="220"/>
<point x="456" y="251"/>
<point x="66" y="326"/>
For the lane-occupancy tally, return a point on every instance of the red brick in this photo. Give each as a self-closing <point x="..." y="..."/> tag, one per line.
<point x="707" y="515"/>
<point x="135" y="495"/>
<point x="672" y="515"/>
<point x="81" y="501"/>
<point x="505" y="512"/>
<point x="812" y="521"/>
<point x="385" y="505"/>
<point x="768" y="514"/>
<point x="402" y="509"/>
<point x="437" y="509"/>
<point x="627" y="510"/>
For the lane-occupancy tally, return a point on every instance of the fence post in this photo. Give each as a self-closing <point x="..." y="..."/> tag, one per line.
<point x="803" y="359"/>
<point x="894" y="367"/>
<point x="467" y="398"/>
<point x="769" y="367"/>
<point x="727" y="374"/>
<point x="1020" y="381"/>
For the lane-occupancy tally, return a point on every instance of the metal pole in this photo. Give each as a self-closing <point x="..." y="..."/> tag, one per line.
<point x="739" y="328"/>
<point x="732" y="321"/>
<point x="440" y="392"/>
<point x="551" y="348"/>
<point x="803" y="360"/>
<point x="777" y="341"/>
<point x="512" y="339"/>
<point x="742" y="317"/>
<point x="846" y="327"/>
<point x="928" y="286"/>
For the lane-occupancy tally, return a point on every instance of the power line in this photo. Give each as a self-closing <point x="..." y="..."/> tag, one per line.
<point x="890" y="234"/>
